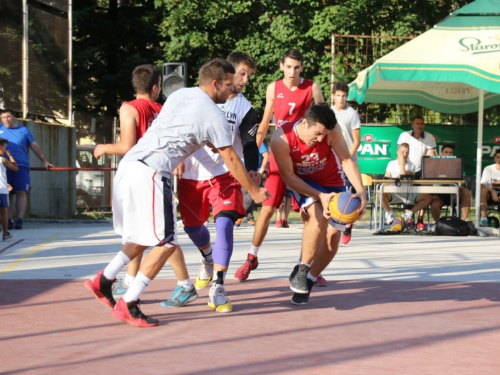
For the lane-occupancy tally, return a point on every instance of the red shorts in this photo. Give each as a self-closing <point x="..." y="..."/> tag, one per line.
<point x="275" y="185"/>
<point x="223" y="193"/>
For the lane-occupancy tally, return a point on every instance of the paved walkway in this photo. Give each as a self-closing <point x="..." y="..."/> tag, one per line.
<point x="394" y="304"/>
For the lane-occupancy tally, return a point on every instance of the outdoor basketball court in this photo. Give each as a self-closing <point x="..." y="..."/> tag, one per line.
<point x="394" y="305"/>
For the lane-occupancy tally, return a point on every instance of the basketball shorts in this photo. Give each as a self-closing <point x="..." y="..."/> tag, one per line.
<point x="222" y="193"/>
<point x="402" y="198"/>
<point x="144" y="211"/>
<point x="4" y="200"/>
<point x="20" y="180"/>
<point x="275" y="185"/>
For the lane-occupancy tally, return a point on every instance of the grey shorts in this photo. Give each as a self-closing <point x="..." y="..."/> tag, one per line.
<point x="403" y="198"/>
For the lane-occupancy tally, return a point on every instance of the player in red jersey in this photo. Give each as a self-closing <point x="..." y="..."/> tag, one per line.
<point x="288" y="98"/>
<point x="304" y="156"/>
<point x="136" y="117"/>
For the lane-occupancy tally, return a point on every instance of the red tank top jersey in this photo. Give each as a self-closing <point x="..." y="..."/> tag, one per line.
<point x="290" y="106"/>
<point x="317" y="163"/>
<point x="147" y="110"/>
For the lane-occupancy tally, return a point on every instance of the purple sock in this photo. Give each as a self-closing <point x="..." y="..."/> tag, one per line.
<point x="199" y="235"/>
<point x="223" y="246"/>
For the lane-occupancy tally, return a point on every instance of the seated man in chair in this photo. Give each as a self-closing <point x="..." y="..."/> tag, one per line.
<point x="395" y="169"/>
<point x="490" y="187"/>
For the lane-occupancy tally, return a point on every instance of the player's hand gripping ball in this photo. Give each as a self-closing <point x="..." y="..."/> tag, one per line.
<point x="344" y="208"/>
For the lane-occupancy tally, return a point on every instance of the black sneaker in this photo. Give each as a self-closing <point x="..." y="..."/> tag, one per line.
<point x="302" y="299"/>
<point x="298" y="282"/>
<point x="101" y="288"/>
<point x="19" y="223"/>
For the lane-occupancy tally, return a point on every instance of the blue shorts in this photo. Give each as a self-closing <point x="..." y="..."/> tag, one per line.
<point x="305" y="201"/>
<point x="19" y="180"/>
<point x="4" y="200"/>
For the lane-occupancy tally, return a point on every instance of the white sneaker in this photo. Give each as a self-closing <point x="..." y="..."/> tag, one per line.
<point x="408" y="216"/>
<point x="206" y="273"/>
<point x="389" y="217"/>
<point x="217" y="299"/>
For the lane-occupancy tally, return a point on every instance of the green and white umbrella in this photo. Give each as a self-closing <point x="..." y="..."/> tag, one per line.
<point x="452" y="68"/>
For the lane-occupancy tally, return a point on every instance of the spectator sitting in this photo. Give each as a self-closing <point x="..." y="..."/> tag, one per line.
<point x="394" y="169"/>
<point x="438" y="201"/>
<point x="490" y="186"/>
<point x="8" y="161"/>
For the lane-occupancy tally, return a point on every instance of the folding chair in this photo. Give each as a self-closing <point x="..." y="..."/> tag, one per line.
<point x="367" y="184"/>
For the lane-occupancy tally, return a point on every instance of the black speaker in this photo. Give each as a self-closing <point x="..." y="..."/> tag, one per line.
<point x="174" y="77"/>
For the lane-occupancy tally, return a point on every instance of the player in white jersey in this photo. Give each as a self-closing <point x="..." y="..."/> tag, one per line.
<point x="204" y="181"/>
<point x="348" y="119"/>
<point x="143" y="207"/>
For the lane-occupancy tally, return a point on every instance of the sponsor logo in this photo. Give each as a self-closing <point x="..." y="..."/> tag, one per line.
<point x="228" y="203"/>
<point x="375" y="149"/>
<point x="368" y="138"/>
<point x="476" y="46"/>
<point x="496" y="139"/>
<point x="295" y="149"/>
<point x="490" y="150"/>
<point x="280" y="96"/>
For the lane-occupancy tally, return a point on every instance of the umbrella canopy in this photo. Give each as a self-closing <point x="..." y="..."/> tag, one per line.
<point x="452" y="68"/>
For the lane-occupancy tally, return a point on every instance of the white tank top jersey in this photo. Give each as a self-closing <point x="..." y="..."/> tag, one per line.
<point x="188" y="121"/>
<point x="490" y="175"/>
<point x="205" y="164"/>
<point x="3" y="178"/>
<point x="348" y="119"/>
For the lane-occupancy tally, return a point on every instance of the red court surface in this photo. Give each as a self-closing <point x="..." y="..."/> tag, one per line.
<point x="349" y="327"/>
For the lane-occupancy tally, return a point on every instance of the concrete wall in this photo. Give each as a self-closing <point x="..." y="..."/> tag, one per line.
<point x="52" y="194"/>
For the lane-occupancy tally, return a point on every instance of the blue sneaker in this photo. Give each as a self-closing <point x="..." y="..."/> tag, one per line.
<point x="180" y="297"/>
<point x="10" y="224"/>
<point x="119" y="289"/>
<point x="483" y="222"/>
<point x="19" y="223"/>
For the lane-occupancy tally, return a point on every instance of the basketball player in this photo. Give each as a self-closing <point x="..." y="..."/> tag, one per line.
<point x="143" y="207"/>
<point x="204" y="180"/>
<point x="136" y="117"/>
<point x="288" y="99"/>
<point x="303" y="153"/>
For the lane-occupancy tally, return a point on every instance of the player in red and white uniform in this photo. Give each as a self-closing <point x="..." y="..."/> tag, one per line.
<point x="288" y="99"/>
<point x="136" y="117"/>
<point x="204" y="181"/>
<point x="310" y="169"/>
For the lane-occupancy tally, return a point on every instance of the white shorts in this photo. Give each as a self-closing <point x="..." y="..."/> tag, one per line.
<point x="144" y="212"/>
<point x="402" y="198"/>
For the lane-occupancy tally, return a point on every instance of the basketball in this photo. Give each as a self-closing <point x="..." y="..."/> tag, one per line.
<point x="398" y="224"/>
<point x="344" y="208"/>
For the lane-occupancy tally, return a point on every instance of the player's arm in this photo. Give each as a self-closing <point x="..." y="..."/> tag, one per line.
<point x="263" y="165"/>
<point x="10" y="162"/>
<point x="128" y="122"/>
<point x="38" y="152"/>
<point x="237" y="169"/>
<point x="317" y="96"/>
<point x="268" y="114"/>
<point x="431" y="152"/>
<point x="248" y="136"/>
<point x="349" y="166"/>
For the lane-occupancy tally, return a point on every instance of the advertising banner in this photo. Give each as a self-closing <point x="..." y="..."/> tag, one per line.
<point x="379" y="145"/>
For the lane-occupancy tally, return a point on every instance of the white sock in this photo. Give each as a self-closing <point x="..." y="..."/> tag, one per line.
<point x="207" y="253"/>
<point x="116" y="265"/>
<point x="129" y="279"/>
<point x="135" y="290"/>
<point x="186" y="284"/>
<point x="311" y="277"/>
<point x="254" y="250"/>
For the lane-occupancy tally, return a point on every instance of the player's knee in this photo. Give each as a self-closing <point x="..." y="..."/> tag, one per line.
<point x="232" y="215"/>
<point x="198" y="234"/>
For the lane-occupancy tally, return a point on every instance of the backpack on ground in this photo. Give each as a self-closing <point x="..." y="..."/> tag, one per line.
<point x="452" y="226"/>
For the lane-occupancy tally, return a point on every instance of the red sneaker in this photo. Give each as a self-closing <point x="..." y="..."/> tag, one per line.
<point x="284" y="224"/>
<point x="421" y="226"/>
<point x="250" y="264"/>
<point x="279" y="224"/>
<point x="101" y="288"/>
<point x="346" y="235"/>
<point x="131" y="314"/>
<point x="320" y="281"/>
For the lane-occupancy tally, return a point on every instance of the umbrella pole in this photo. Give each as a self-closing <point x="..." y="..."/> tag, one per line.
<point x="479" y="157"/>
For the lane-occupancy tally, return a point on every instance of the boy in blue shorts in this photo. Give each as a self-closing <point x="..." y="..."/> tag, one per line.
<point x="7" y="162"/>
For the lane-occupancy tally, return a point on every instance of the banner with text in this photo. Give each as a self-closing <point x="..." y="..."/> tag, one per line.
<point x="379" y="145"/>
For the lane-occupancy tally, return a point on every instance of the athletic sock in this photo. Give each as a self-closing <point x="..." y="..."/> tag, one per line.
<point x="185" y="284"/>
<point x="135" y="290"/>
<point x="116" y="265"/>
<point x="254" y="250"/>
<point x="311" y="277"/>
<point x="129" y="279"/>
<point x="207" y="253"/>
<point x="221" y="275"/>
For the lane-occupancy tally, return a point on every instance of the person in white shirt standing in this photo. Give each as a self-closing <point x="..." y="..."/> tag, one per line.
<point x="421" y="143"/>
<point x="349" y="122"/>
<point x="490" y="187"/>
